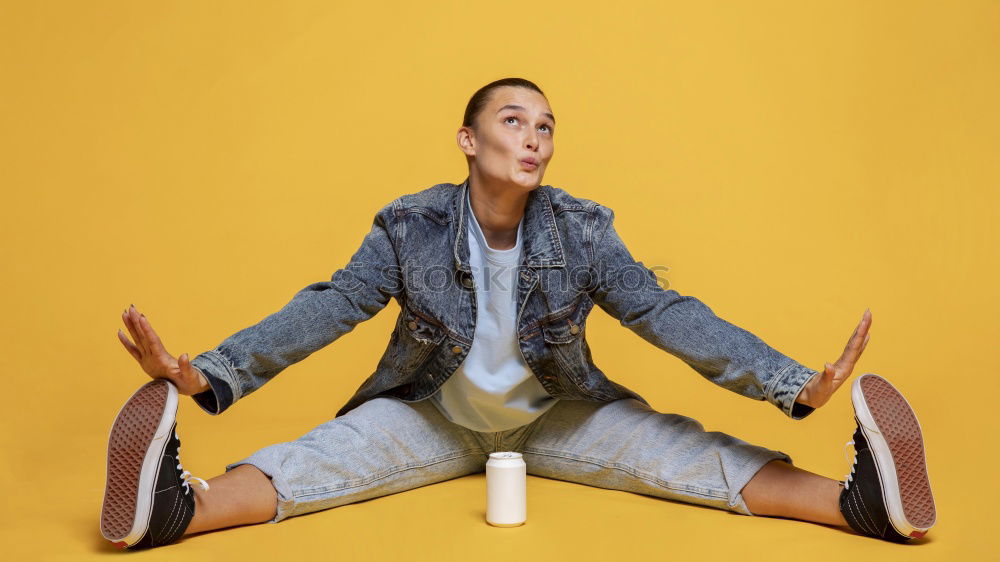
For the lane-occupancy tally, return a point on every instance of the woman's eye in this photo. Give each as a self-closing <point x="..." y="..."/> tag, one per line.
<point x="507" y="119"/>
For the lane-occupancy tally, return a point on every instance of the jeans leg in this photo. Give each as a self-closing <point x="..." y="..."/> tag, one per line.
<point x="626" y="445"/>
<point x="382" y="447"/>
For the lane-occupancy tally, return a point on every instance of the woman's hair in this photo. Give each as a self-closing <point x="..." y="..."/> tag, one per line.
<point x="482" y="96"/>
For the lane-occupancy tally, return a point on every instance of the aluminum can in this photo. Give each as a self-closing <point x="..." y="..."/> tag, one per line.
<point x="506" y="491"/>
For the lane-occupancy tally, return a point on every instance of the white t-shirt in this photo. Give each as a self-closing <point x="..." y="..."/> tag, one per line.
<point x="493" y="389"/>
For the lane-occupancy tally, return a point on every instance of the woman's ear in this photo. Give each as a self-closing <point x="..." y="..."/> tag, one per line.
<point x="466" y="141"/>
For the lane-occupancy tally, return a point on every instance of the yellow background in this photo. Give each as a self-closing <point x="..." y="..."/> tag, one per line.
<point x="791" y="164"/>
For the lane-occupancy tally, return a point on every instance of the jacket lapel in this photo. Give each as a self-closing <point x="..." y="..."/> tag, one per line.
<point x="542" y="246"/>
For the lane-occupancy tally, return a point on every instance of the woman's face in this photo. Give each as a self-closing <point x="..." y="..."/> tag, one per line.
<point x="515" y="125"/>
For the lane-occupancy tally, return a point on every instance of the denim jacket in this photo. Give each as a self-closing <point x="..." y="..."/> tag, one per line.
<point x="417" y="252"/>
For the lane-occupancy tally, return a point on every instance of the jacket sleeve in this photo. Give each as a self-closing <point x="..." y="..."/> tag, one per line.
<point x="683" y="326"/>
<point x="316" y="316"/>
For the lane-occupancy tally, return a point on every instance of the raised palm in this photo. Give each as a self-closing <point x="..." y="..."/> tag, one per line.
<point x="148" y="350"/>
<point x="822" y="386"/>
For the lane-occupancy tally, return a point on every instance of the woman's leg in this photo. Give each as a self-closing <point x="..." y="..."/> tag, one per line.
<point x="783" y="490"/>
<point x="382" y="447"/>
<point x="626" y="445"/>
<point x="241" y="496"/>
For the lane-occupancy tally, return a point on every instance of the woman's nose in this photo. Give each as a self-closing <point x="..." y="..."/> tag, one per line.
<point x="531" y="142"/>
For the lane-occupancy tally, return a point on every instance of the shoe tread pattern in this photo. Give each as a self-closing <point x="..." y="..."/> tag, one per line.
<point x="131" y="434"/>
<point x="898" y="424"/>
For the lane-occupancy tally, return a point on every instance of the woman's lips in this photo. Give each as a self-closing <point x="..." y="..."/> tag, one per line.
<point x="528" y="164"/>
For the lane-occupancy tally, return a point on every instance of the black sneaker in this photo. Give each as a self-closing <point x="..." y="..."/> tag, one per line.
<point x="887" y="494"/>
<point x="148" y="500"/>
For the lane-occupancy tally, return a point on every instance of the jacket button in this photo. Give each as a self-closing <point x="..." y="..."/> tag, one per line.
<point x="467" y="281"/>
<point x="456" y="350"/>
<point x="574" y="329"/>
<point x="411" y="325"/>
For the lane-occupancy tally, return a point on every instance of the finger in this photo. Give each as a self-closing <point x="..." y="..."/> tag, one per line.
<point x="833" y="379"/>
<point x="132" y="316"/>
<point x="861" y="330"/>
<point x="834" y="376"/>
<point x="189" y="371"/>
<point x="865" y="343"/>
<point x="185" y="364"/>
<point x="133" y="329"/>
<point x="850" y="355"/>
<point x="820" y="394"/>
<point x="864" y="325"/>
<point x="132" y="350"/>
<point x="856" y="342"/>
<point x="866" y="322"/>
<point x="152" y="340"/>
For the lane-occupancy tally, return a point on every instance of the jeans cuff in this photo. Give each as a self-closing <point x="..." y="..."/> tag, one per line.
<point x="286" y="504"/>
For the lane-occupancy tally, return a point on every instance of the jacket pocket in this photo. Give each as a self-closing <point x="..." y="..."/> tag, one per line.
<point x="564" y="340"/>
<point x="417" y="336"/>
<point x="565" y="331"/>
<point x="566" y="326"/>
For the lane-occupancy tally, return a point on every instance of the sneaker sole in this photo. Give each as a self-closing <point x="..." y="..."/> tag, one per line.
<point x="135" y="449"/>
<point x="891" y="428"/>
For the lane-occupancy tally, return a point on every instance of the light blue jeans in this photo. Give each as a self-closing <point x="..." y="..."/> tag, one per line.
<point x="385" y="446"/>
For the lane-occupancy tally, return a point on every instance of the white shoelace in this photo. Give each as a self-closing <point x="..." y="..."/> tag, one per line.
<point x="854" y="463"/>
<point x="185" y="475"/>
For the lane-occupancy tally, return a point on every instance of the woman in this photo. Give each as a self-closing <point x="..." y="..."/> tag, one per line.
<point x="495" y="278"/>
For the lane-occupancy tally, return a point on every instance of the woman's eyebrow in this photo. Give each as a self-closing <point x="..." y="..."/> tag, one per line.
<point x="512" y="106"/>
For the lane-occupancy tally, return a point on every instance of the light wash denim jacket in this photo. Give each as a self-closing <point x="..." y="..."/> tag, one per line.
<point x="417" y="253"/>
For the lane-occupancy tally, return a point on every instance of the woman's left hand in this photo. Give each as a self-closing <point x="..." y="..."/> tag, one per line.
<point x="821" y="387"/>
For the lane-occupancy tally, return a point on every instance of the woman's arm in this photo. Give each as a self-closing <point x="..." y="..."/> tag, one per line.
<point x="315" y="317"/>
<point x="683" y="326"/>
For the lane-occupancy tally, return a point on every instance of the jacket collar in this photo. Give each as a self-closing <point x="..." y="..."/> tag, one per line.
<point x="539" y="236"/>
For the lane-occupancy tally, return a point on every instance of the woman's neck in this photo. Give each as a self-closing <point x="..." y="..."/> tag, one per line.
<point x="498" y="211"/>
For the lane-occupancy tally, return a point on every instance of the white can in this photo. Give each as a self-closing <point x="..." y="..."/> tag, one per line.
<point x="506" y="491"/>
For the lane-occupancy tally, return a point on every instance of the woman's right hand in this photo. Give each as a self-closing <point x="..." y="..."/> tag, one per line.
<point x="148" y="350"/>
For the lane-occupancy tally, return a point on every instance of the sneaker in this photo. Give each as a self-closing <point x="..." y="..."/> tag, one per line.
<point x="147" y="500"/>
<point x="887" y="493"/>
